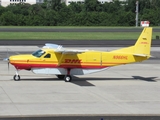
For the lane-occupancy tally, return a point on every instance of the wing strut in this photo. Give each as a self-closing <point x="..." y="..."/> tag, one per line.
<point x="60" y="60"/>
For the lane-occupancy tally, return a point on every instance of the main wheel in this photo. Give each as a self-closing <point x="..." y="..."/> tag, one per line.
<point x="67" y="78"/>
<point x="61" y="77"/>
<point x="16" y="77"/>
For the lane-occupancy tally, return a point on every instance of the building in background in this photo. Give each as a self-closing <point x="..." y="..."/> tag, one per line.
<point x="5" y="3"/>
<point x="67" y="2"/>
<point x="82" y="1"/>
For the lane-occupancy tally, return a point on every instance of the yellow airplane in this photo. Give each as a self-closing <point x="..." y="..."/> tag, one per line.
<point x="54" y="59"/>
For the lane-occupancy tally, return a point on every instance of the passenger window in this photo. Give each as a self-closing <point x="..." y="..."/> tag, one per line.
<point x="47" y="56"/>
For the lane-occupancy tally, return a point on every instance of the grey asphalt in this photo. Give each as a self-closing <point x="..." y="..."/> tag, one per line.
<point x="87" y="29"/>
<point x="124" y="92"/>
<point x="84" y="117"/>
<point x="128" y="90"/>
<point x="75" y="43"/>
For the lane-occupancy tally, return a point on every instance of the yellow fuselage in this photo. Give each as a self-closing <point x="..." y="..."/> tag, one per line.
<point x="86" y="60"/>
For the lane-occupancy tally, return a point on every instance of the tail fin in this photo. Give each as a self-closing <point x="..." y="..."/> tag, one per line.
<point x="142" y="46"/>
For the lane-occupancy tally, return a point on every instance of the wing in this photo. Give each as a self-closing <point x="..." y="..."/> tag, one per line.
<point x="53" y="46"/>
<point x="60" y="49"/>
<point x="70" y="51"/>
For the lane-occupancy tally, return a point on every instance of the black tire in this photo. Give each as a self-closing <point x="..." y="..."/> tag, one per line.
<point x="61" y="77"/>
<point x="67" y="78"/>
<point x="16" y="77"/>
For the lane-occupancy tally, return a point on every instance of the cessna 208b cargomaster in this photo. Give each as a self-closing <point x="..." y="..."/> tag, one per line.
<point x="64" y="63"/>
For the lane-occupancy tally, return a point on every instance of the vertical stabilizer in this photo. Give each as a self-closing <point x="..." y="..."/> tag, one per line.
<point x="143" y="44"/>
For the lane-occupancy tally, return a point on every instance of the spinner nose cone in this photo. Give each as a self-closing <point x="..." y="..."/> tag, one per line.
<point x="6" y="59"/>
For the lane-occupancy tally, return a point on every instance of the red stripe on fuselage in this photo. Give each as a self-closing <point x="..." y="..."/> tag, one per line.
<point x="29" y="66"/>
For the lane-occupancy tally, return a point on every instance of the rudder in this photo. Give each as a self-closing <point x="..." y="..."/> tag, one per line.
<point x="143" y="44"/>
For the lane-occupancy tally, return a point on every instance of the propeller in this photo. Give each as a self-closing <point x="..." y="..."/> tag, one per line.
<point x="7" y="59"/>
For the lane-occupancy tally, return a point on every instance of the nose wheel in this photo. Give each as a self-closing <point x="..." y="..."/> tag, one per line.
<point x="16" y="77"/>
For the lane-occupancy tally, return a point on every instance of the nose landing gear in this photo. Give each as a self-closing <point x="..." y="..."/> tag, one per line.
<point x="16" y="77"/>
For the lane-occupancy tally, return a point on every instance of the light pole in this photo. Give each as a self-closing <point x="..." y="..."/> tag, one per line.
<point x="137" y="7"/>
<point x="49" y="3"/>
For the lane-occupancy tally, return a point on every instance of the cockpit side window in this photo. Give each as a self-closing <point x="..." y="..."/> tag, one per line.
<point x="47" y="56"/>
<point x="38" y="53"/>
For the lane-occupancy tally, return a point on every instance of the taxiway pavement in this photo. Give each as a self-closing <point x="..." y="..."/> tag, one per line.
<point x="131" y="89"/>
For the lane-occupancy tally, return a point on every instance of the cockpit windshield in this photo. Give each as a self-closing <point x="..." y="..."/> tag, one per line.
<point x="38" y="53"/>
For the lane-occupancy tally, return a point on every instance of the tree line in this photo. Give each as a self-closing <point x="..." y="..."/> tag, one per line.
<point x="89" y="13"/>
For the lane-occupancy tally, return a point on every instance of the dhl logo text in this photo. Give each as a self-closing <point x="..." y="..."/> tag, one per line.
<point x="120" y="57"/>
<point x="72" y="61"/>
<point x="144" y="42"/>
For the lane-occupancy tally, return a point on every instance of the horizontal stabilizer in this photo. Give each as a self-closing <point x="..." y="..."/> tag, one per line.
<point x="141" y="55"/>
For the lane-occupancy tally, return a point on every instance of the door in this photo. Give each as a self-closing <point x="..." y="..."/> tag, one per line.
<point x="93" y="59"/>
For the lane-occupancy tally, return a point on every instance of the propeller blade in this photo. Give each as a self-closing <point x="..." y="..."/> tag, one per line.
<point x="8" y="66"/>
<point x="7" y="60"/>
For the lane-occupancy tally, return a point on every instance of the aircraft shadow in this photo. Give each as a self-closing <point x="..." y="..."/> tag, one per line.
<point x="76" y="80"/>
<point x="148" y="79"/>
<point x="40" y="79"/>
<point x="84" y="81"/>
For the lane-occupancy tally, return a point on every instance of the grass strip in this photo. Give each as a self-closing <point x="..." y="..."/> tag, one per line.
<point x="72" y="35"/>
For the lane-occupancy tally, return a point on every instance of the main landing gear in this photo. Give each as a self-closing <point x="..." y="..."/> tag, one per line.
<point x="67" y="78"/>
<point x="16" y="77"/>
<point x="61" y="77"/>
